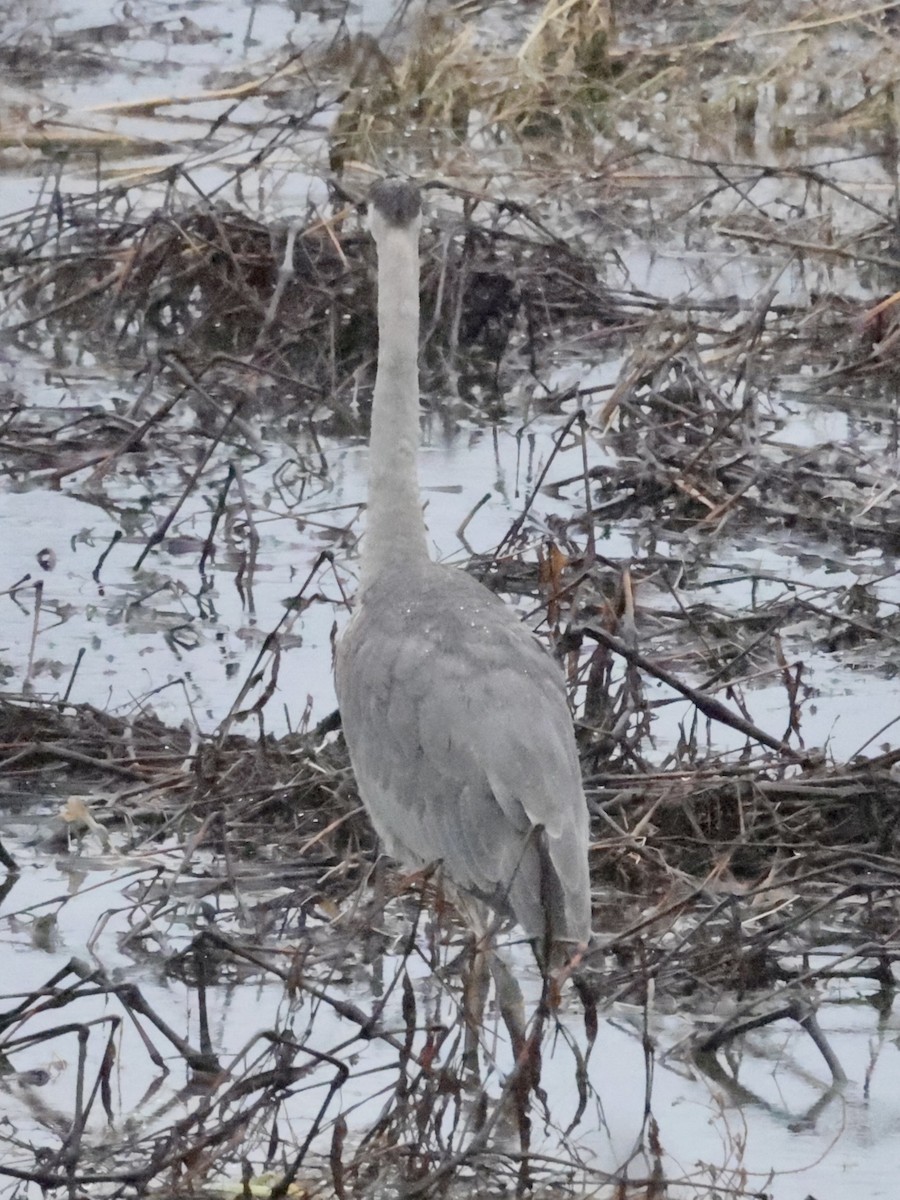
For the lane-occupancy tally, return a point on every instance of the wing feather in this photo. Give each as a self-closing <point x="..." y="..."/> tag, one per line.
<point x="462" y="744"/>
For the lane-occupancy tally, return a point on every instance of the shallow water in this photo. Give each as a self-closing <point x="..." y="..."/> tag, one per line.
<point x="169" y="638"/>
<point x="777" y="1119"/>
<point x="166" y="54"/>
<point x="184" y="641"/>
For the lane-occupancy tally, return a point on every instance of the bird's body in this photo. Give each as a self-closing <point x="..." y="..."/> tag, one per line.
<point x="462" y="745"/>
<point x="456" y="718"/>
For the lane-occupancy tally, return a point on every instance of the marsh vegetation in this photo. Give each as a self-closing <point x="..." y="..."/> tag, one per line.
<point x="659" y="283"/>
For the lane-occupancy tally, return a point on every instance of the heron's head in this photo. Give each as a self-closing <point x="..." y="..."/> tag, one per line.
<point x="394" y="204"/>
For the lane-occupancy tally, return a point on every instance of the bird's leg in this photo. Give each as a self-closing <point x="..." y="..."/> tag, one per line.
<point x="526" y="1074"/>
<point x="510" y="1002"/>
<point x="375" y="939"/>
<point x="476" y="980"/>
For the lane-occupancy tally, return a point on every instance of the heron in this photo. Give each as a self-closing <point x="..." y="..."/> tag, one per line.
<point x="454" y="714"/>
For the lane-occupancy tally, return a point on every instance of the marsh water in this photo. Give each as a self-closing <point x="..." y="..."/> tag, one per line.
<point x="770" y="1122"/>
<point x="178" y="639"/>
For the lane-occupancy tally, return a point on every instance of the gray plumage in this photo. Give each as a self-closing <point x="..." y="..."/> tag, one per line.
<point x="455" y="716"/>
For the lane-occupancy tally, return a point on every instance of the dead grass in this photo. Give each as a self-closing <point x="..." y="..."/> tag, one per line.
<point x="736" y="879"/>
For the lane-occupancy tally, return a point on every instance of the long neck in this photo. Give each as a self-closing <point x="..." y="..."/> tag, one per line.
<point x="395" y="529"/>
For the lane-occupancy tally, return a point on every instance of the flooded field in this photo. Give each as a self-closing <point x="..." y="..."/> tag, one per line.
<point x="660" y="417"/>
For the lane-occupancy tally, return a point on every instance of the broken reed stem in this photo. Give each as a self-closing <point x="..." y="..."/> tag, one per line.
<point x="708" y="705"/>
<point x="163" y="527"/>
<point x="269" y="646"/>
<point x="113" y="541"/>
<point x="795" y="1010"/>
<point x="209" y="544"/>
<point x="248" y="567"/>
<point x="78" y="658"/>
<point x="38" y="596"/>
<point x="515" y="529"/>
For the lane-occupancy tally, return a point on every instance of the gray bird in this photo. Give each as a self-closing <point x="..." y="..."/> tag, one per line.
<point x="455" y="716"/>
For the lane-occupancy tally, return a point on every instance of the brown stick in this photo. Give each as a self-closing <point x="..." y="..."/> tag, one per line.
<point x="708" y="705"/>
